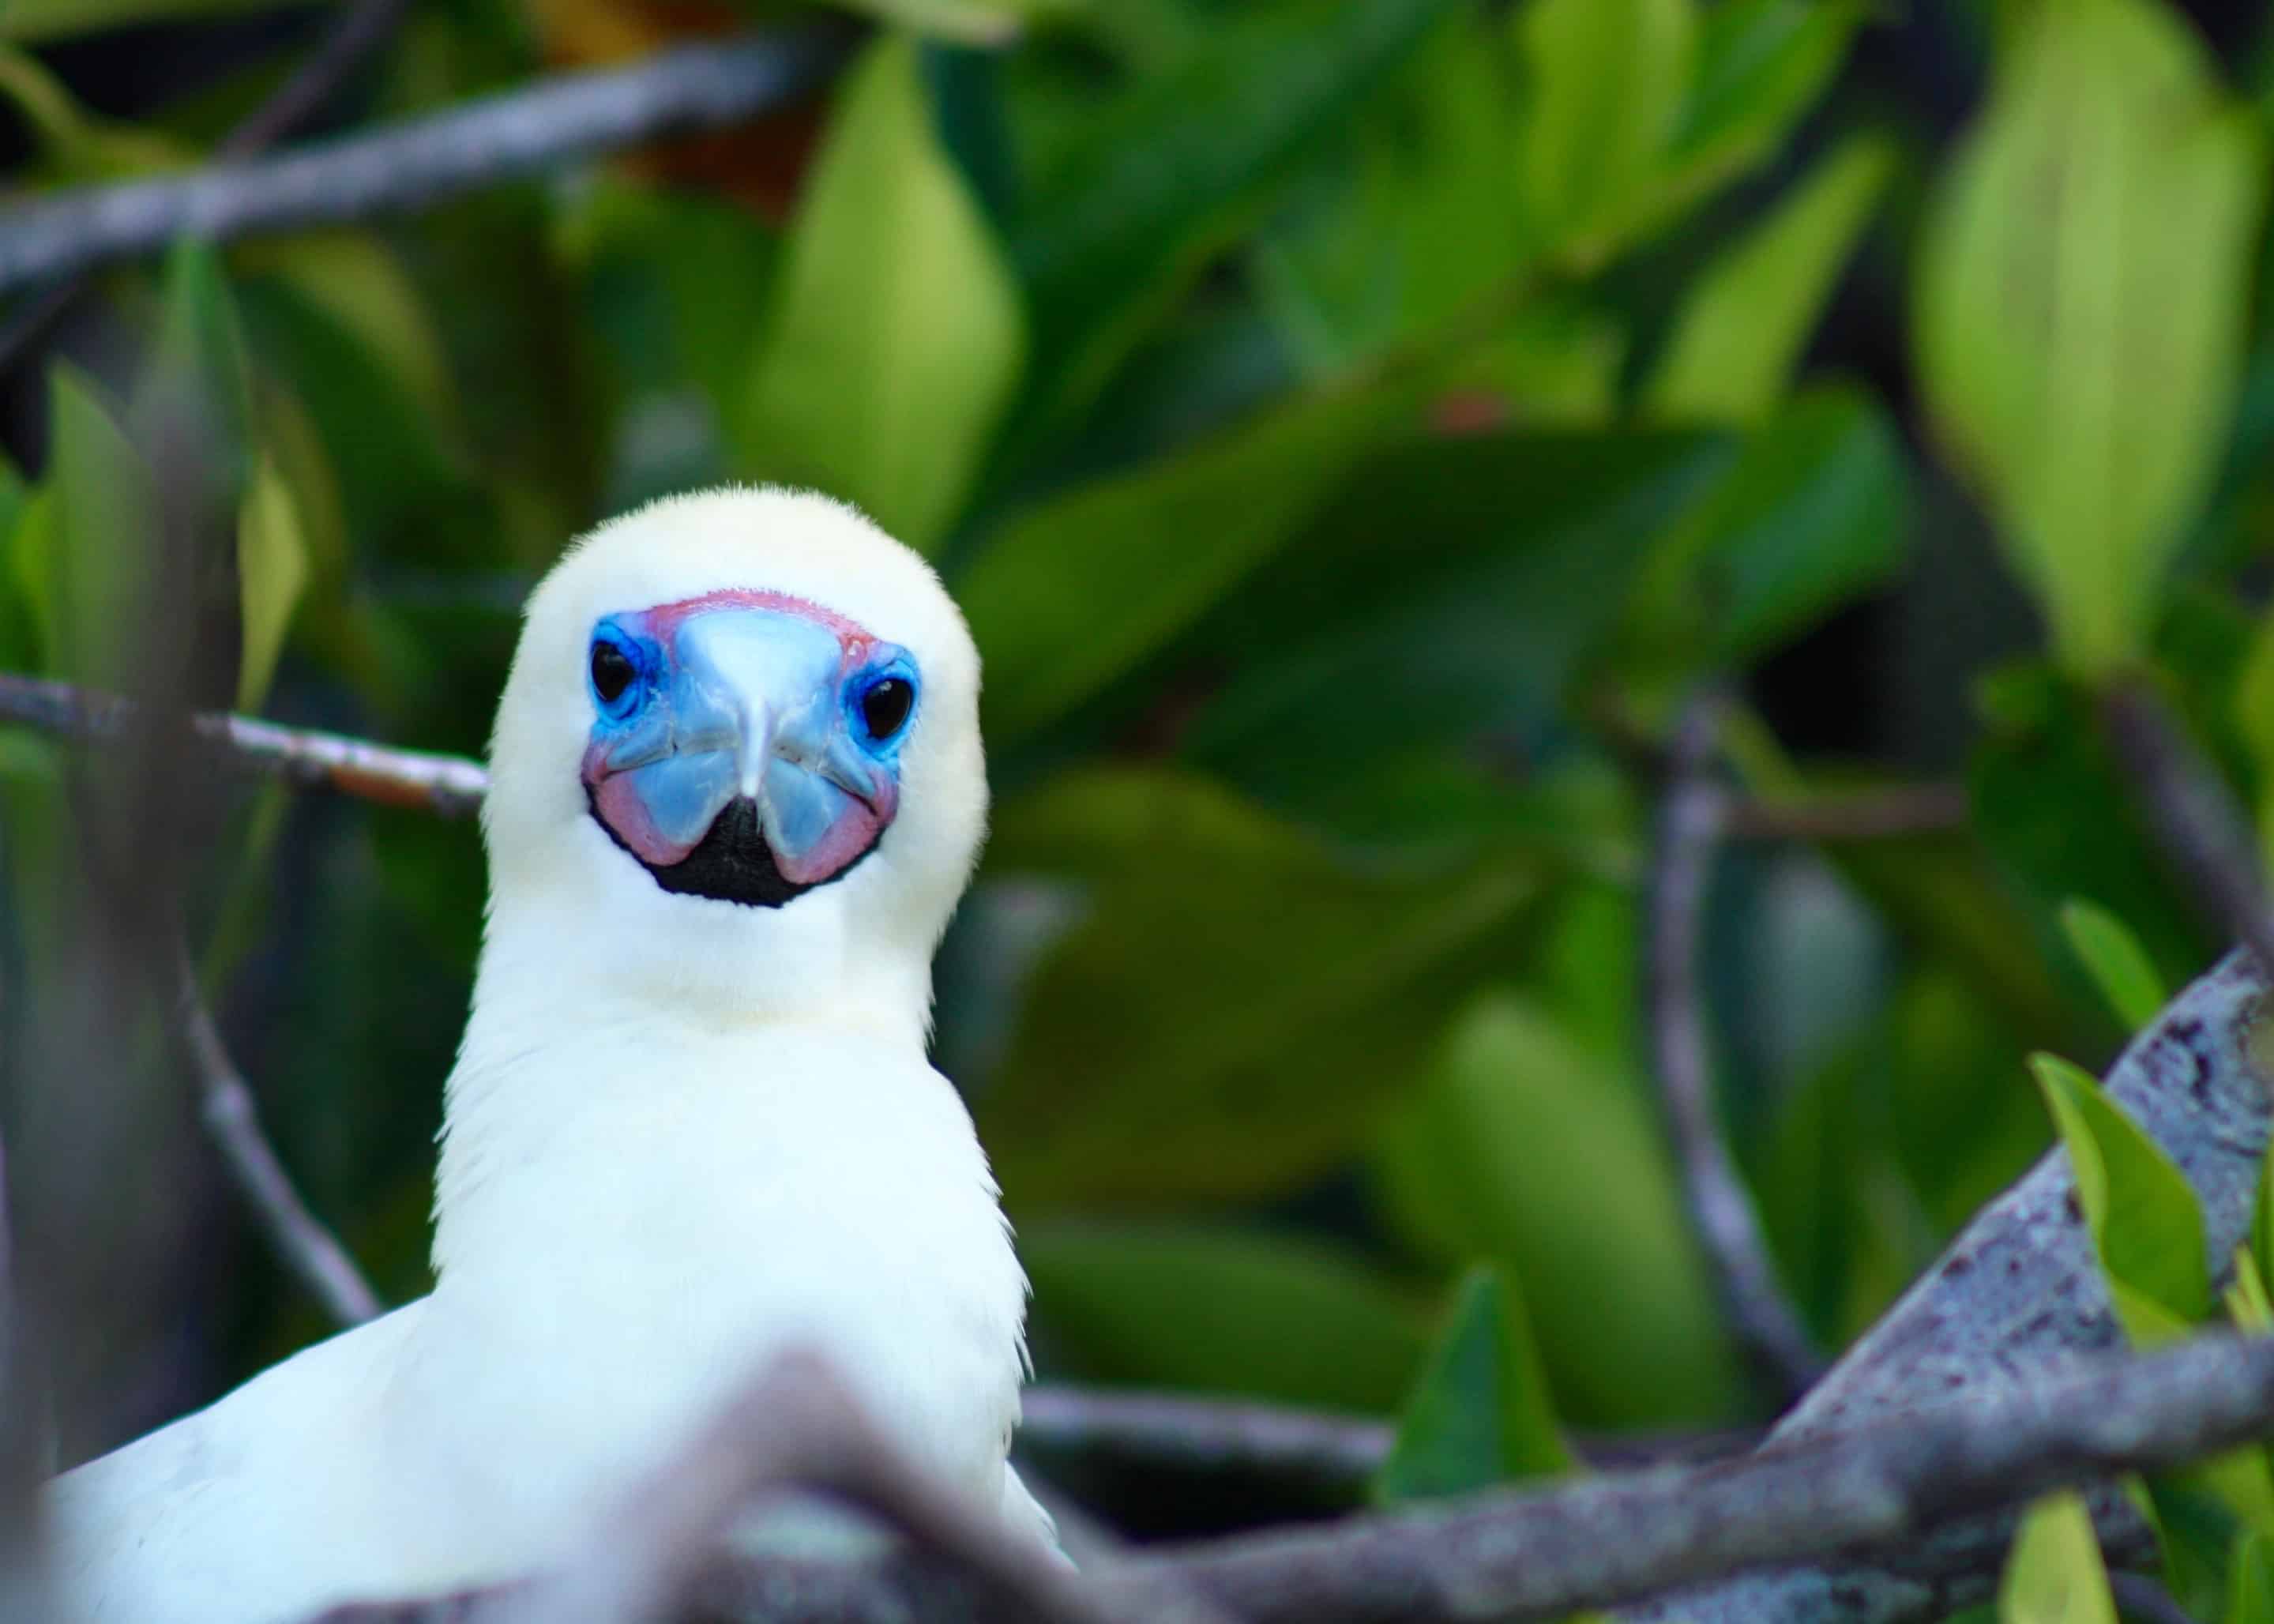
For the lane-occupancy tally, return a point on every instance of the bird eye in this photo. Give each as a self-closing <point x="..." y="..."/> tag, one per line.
<point x="884" y="708"/>
<point x="612" y="671"/>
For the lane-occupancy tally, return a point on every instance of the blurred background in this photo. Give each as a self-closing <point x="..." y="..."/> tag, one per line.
<point x="1355" y="430"/>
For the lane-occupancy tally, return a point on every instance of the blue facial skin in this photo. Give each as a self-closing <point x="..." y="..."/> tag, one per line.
<point x="754" y="703"/>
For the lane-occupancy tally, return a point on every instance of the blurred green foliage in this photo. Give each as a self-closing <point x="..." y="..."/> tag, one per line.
<point x="1351" y="429"/>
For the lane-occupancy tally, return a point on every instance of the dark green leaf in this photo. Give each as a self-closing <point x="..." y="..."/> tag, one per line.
<point x="1221" y="1310"/>
<point x="1479" y="1414"/>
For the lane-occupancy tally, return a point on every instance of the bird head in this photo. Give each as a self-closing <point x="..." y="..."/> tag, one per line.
<point x="737" y="760"/>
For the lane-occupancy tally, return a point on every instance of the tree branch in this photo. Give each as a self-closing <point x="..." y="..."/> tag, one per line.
<point x="352" y="40"/>
<point x="451" y="786"/>
<point x="1691" y="823"/>
<point x="2021" y="1290"/>
<point x="2192" y="814"/>
<point x="232" y="1120"/>
<point x="418" y="162"/>
<point x="1203" y="1435"/>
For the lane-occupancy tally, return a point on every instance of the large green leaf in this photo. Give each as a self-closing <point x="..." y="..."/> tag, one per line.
<point x="1480" y="1413"/>
<point x="1442" y="597"/>
<point x="89" y="568"/>
<point x="2118" y="965"/>
<point x="2142" y="1210"/>
<point x="271" y="571"/>
<point x="1221" y="1309"/>
<point x="1743" y="322"/>
<point x="1236" y="1005"/>
<point x="1526" y="1146"/>
<point x="1815" y="511"/>
<point x="2055" y="1574"/>
<point x="1167" y="175"/>
<point x="1607" y="81"/>
<point x="2081" y="308"/>
<point x="1427" y="216"/>
<point x="1761" y="64"/>
<point x="1078" y="588"/>
<point x="897" y="336"/>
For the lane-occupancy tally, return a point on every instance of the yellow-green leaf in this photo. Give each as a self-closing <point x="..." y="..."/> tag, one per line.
<point x="272" y="570"/>
<point x="2054" y="1573"/>
<point x="2144" y="1220"/>
<point x="2080" y="303"/>
<point x="1479" y="1412"/>
<point x="2120" y="966"/>
<point x="93" y="574"/>
<point x="1609" y="79"/>
<point x="2246" y="1301"/>
<point x="2250" y="1575"/>
<point x="1743" y="323"/>
<point x="896" y="336"/>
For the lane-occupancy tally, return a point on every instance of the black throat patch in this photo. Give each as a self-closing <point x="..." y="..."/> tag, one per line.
<point x="731" y="863"/>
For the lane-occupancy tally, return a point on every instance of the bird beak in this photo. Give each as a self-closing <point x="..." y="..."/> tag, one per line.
<point x="747" y="716"/>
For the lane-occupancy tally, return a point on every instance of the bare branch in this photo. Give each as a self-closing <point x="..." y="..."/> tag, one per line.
<point x="2192" y="814"/>
<point x="1691" y="827"/>
<point x="233" y="1121"/>
<point x="1203" y="1435"/>
<point x="2021" y="1290"/>
<point x="351" y="41"/>
<point x="1889" y="814"/>
<point x="416" y="162"/>
<point x="451" y="786"/>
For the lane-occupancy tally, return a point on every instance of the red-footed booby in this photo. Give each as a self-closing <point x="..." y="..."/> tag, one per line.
<point x="736" y="790"/>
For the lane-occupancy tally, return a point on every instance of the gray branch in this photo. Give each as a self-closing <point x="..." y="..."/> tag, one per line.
<point x="418" y="162"/>
<point x="451" y="786"/>
<point x="1692" y="824"/>
<point x="232" y="1120"/>
<point x="2020" y="1291"/>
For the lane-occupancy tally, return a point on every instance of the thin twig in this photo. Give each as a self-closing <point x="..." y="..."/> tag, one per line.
<point x="2140" y="1598"/>
<point x="233" y="1121"/>
<point x="451" y="786"/>
<point x="353" y="39"/>
<point x="418" y="162"/>
<point x="2193" y="815"/>
<point x="1691" y="827"/>
<point x="1202" y="1434"/>
<point x="1889" y="814"/>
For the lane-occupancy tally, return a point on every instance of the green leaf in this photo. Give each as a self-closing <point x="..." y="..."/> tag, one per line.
<point x="1221" y="1310"/>
<point x="1234" y="1003"/>
<point x="2081" y="307"/>
<point x="1761" y="64"/>
<point x="2253" y="714"/>
<point x="1743" y="323"/>
<point x="967" y="22"/>
<point x="272" y="569"/>
<point x="2251" y="1573"/>
<point x="1608" y="80"/>
<point x="1444" y="595"/>
<point x="1480" y="1413"/>
<point x="47" y="19"/>
<point x="1076" y="589"/>
<point x="2143" y="1213"/>
<point x="1168" y="174"/>
<point x="90" y="564"/>
<point x="1527" y="1147"/>
<point x="897" y="336"/>
<point x="78" y="144"/>
<point x="2120" y="966"/>
<point x="2247" y="1304"/>
<point x="2054" y="1573"/>
<point x="355" y="278"/>
<point x="1814" y="511"/>
<point x="198" y="369"/>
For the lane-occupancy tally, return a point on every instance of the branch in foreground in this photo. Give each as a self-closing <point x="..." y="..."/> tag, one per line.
<point x="1691" y="828"/>
<point x="450" y="785"/>
<point x="418" y="162"/>
<point x="2019" y="1289"/>
<point x="2192" y="814"/>
<point x="1585" y="1543"/>
<point x="233" y="1121"/>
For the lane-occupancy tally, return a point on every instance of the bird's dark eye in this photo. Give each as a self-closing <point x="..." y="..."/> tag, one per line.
<point x="612" y="671"/>
<point x="885" y="706"/>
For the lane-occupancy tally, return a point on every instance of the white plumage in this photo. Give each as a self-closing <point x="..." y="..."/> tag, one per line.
<point x="683" y="1133"/>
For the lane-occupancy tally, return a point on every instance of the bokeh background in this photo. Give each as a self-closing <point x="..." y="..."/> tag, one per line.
<point x="1355" y="430"/>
